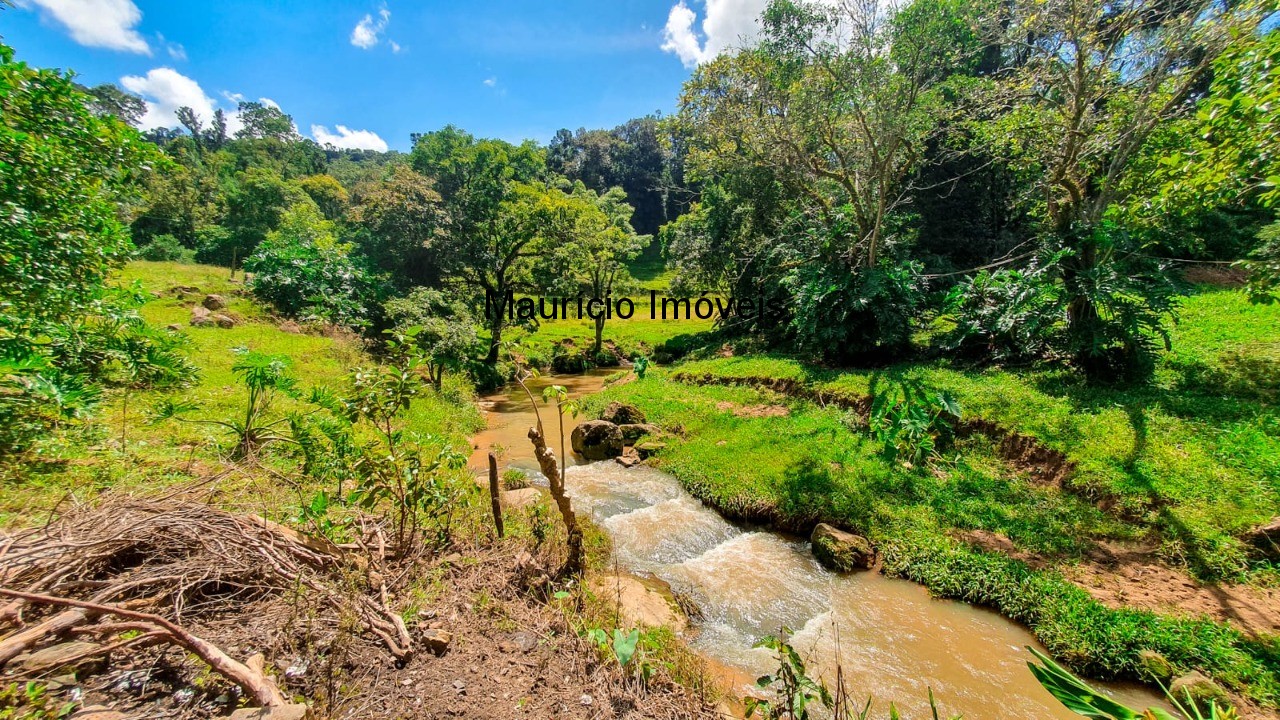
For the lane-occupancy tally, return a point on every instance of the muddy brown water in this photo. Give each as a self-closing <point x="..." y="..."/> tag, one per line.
<point x="892" y="640"/>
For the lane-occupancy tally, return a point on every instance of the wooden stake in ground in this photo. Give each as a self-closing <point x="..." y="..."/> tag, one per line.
<point x="495" y="493"/>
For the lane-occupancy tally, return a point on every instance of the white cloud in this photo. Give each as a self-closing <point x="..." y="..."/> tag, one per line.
<point x="175" y="50"/>
<point x="728" y="24"/>
<point x="395" y="46"/>
<point x="99" y="23"/>
<point x="269" y="102"/>
<point x="166" y="90"/>
<point x="366" y="32"/>
<point x="348" y="139"/>
<point x="490" y="81"/>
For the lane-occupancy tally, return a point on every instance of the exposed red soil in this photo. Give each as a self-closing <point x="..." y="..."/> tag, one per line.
<point x="1121" y="575"/>
<point x="1125" y="575"/>
<point x="756" y="411"/>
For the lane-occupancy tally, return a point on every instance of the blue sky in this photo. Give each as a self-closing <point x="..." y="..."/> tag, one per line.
<point x="510" y="69"/>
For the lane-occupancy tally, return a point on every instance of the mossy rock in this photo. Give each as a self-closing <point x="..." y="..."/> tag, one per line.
<point x="623" y="414"/>
<point x="631" y="432"/>
<point x="647" y="448"/>
<point x="841" y="551"/>
<point x="597" y="440"/>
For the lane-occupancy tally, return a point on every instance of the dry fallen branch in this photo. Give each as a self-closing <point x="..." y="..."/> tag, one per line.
<point x="172" y="559"/>
<point x="258" y="686"/>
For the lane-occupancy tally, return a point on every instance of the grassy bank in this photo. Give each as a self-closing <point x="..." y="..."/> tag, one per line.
<point x="120" y="447"/>
<point x="1189" y="461"/>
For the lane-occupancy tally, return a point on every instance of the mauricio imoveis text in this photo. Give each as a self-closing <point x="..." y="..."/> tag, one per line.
<point x="661" y="307"/>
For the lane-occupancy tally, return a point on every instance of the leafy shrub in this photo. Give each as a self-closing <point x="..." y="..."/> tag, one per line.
<point x="1117" y="303"/>
<point x="165" y="247"/>
<point x="569" y="358"/>
<point x="266" y="377"/>
<point x="215" y="245"/>
<point x="46" y="384"/>
<point x="304" y="272"/>
<point x="413" y="475"/>
<point x="36" y="397"/>
<point x="514" y="479"/>
<point x="1008" y="314"/>
<point x="914" y="422"/>
<point x="1264" y="266"/>
<point x="442" y="329"/>
<point x="844" y="315"/>
<point x="31" y="702"/>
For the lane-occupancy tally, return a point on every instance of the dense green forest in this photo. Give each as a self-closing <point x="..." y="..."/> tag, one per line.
<point x="1023" y="257"/>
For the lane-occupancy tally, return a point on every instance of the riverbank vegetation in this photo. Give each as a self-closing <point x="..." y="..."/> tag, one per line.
<point x="1022" y="260"/>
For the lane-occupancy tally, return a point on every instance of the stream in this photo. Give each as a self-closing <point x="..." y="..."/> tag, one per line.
<point x="891" y="639"/>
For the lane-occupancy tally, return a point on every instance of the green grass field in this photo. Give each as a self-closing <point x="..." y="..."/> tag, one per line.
<point x="157" y="455"/>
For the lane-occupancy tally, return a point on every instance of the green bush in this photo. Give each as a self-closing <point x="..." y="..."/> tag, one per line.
<point x="165" y="247"/>
<point x="846" y="315"/>
<point x="304" y="272"/>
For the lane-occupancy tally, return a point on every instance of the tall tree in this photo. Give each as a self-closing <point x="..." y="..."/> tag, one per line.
<point x="397" y="222"/>
<point x="65" y="172"/>
<point x="109" y="99"/>
<point x="589" y="240"/>
<point x="491" y="208"/>
<point x="262" y="121"/>
<point x="1093" y="83"/>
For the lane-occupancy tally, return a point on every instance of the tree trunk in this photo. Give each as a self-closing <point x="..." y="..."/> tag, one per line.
<point x="495" y="339"/>
<point x="599" y="335"/>
<point x="551" y="468"/>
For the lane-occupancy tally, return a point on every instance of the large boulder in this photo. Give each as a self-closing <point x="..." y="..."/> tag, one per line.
<point x="523" y="497"/>
<point x="841" y="551"/>
<point x="200" y="317"/>
<point x="597" y="440"/>
<point x="1154" y="666"/>
<point x="622" y="414"/>
<point x="214" y="302"/>
<point x="632" y="432"/>
<point x="638" y="604"/>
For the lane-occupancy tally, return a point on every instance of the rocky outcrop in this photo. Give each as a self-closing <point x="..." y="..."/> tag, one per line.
<point x="523" y="497"/>
<point x="200" y="317"/>
<point x="597" y="440"/>
<point x="841" y="551"/>
<point x="437" y="640"/>
<point x="225" y="321"/>
<point x="622" y="414"/>
<point x="1154" y="666"/>
<point x="214" y="302"/>
<point x="647" y="448"/>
